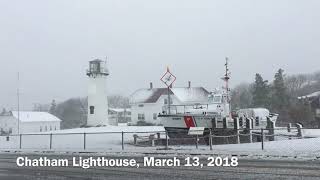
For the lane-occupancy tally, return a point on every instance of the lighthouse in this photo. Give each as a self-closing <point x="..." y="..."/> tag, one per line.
<point x="97" y="94"/>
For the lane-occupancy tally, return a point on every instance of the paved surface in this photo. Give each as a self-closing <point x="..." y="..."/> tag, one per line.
<point x="247" y="169"/>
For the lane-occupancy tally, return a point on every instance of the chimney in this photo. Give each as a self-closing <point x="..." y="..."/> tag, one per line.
<point x="189" y="84"/>
<point x="151" y="85"/>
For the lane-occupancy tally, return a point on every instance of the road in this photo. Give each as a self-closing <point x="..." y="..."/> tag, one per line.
<point x="247" y="169"/>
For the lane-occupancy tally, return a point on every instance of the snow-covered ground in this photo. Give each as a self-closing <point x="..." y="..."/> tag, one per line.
<point x="108" y="139"/>
<point x="97" y="138"/>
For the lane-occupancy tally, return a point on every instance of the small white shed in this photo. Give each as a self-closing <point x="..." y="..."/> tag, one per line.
<point x="29" y="122"/>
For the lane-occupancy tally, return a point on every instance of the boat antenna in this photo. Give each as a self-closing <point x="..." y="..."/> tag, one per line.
<point x="226" y="78"/>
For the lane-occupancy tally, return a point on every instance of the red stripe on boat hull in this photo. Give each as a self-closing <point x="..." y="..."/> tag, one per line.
<point x="189" y="121"/>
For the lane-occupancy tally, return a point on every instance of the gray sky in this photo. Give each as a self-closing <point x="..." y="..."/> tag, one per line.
<point x="51" y="42"/>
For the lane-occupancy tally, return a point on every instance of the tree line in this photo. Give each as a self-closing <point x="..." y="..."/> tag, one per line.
<point x="279" y="96"/>
<point x="73" y="112"/>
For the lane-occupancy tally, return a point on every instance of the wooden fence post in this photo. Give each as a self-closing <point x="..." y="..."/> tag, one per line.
<point x="210" y="139"/>
<point x="84" y="141"/>
<point x="262" y="139"/>
<point x="237" y="129"/>
<point x="51" y="141"/>
<point x="270" y="126"/>
<point x="122" y="141"/>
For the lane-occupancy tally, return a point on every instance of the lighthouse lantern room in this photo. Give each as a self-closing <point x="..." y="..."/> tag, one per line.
<point x="97" y="93"/>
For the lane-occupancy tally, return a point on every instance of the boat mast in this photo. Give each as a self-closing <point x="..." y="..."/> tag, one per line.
<point x="226" y="78"/>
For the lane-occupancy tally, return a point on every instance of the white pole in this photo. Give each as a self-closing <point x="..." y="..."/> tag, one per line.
<point x="18" y="97"/>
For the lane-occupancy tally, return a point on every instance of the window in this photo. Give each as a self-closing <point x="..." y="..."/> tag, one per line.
<point x="50" y="128"/>
<point x="155" y="116"/>
<point x="10" y="130"/>
<point x="166" y="101"/>
<point x="141" y="117"/>
<point x="141" y="105"/>
<point x="217" y="99"/>
<point x="91" y="109"/>
<point x="257" y="121"/>
<point x="94" y="67"/>
<point x="40" y="128"/>
<point x="45" y="128"/>
<point x="240" y="122"/>
<point x="55" y="128"/>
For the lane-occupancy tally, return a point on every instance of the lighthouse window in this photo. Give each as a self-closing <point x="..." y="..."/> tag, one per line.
<point x="91" y="109"/>
<point x="95" y="67"/>
<point x="155" y="115"/>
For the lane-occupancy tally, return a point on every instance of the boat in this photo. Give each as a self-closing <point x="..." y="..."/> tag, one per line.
<point x="214" y="116"/>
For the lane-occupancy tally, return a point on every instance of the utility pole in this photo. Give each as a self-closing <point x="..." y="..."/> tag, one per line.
<point x="18" y="97"/>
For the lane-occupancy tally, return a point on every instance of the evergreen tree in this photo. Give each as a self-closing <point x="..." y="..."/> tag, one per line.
<point x="241" y="96"/>
<point x="261" y="92"/>
<point x="280" y="98"/>
<point x="4" y="111"/>
<point x="53" y="107"/>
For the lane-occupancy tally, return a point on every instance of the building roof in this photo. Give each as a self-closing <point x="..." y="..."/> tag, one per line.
<point x="119" y="110"/>
<point x="191" y="95"/>
<point x="184" y="94"/>
<point x="148" y="95"/>
<point x="34" y="116"/>
<point x="96" y="60"/>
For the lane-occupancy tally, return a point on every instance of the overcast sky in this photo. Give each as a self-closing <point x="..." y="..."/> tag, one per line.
<point x="51" y="42"/>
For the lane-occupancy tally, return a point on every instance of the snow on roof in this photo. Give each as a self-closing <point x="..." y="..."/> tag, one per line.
<point x="315" y="94"/>
<point x="34" y="116"/>
<point x="118" y="110"/>
<point x="148" y="95"/>
<point x="256" y="112"/>
<point x="191" y="95"/>
<point x="185" y="95"/>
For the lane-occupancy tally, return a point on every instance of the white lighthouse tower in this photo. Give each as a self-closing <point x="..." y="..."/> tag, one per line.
<point x="97" y="94"/>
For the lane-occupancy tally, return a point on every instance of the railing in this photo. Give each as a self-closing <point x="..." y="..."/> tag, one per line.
<point x="184" y="109"/>
<point x="120" y="141"/>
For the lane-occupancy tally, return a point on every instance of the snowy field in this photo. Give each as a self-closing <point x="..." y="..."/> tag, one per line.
<point x="108" y="139"/>
<point x="96" y="138"/>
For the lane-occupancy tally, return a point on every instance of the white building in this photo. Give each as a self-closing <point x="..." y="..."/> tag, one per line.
<point x="147" y="103"/>
<point x="30" y="122"/>
<point x="119" y="115"/>
<point x="97" y="93"/>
